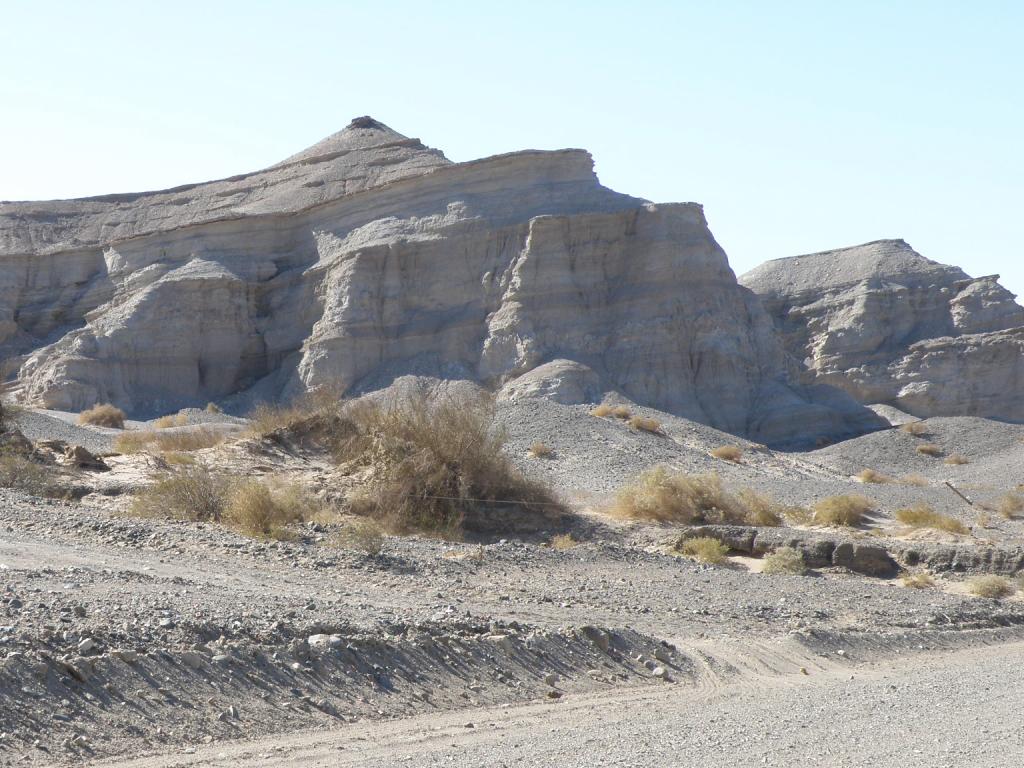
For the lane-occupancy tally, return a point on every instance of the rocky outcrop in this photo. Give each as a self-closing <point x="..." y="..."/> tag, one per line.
<point x="370" y="256"/>
<point x="889" y="326"/>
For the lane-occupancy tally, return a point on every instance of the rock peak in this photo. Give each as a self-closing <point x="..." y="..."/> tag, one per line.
<point x="367" y="122"/>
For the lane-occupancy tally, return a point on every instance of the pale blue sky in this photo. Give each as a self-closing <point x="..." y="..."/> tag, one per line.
<point x="799" y="126"/>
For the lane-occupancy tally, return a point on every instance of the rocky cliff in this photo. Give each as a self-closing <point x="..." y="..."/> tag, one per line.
<point x="370" y="256"/>
<point x="889" y="326"/>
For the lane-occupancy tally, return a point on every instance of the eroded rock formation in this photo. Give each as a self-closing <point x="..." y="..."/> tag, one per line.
<point x="889" y="326"/>
<point x="370" y="256"/>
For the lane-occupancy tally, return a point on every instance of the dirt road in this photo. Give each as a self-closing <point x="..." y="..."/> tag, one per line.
<point x="958" y="708"/>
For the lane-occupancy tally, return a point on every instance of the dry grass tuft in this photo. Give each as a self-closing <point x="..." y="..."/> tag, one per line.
<point x="785" y="560"/>
<point x="923" y="516"/>
<point x="602" y="411"/>
<point x="992" y="587"/>
<point x="985" y="520"/>
<point x="914" y="479"/>
<point x="171" y="420"/>
<point x="922" y="580"/>
<point x="364" y="535"/>
<point x="644" y="424"/>
<point x="797" y="515"/>
<point x="1010" y="505"/>
<point x="153" y="441"/>
<point x="22" y="474"/>
<point x="929" y="449"/>
<point x="213" y="408"/>
<point x="667" y="497"/>
<point x="915" y="428"/>
<point x="622" y="412"/>
<point x="268" y="418"/>
<point x="871" y="476"/>
<point x="760" y="509"/>
<point x="255" y="509"/>
<point x="539" y="450"/>
<point x="103" y="415"/>
<point x="190" y="493"/>
<point x="434" y="461"/>
<point x="955" y="459"/>
<point x="563" y="541"/>
<point x="704" y="549"/>
<point x="731" y="453"/>
<point x="847" y="510"/>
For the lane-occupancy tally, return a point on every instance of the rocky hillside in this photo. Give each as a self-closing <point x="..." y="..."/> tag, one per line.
<point x="370" y="256"/>
<point x="889" y="326"/>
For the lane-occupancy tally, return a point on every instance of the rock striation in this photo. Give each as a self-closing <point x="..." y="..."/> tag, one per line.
<point x="889" y="326"/>
<point x="370" y="256"/>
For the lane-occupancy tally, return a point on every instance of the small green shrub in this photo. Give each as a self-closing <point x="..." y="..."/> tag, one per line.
<point x="704" y="549"/>
<point x="192" y="492"/>
<point x="785" y="560"/>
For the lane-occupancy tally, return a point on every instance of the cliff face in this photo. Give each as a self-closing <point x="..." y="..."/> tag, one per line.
<point x="889" y="326"/>
<point x="369" y="256"/>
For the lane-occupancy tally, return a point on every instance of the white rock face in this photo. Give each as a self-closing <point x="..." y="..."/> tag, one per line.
<point x="889" y="326"/>
<point x="369" y="257"/>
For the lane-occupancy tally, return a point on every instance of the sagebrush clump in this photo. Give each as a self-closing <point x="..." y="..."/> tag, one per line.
<point x="845" y="510"/>
<point x="103" y="415"/>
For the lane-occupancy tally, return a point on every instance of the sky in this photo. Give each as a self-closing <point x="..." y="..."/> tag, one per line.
<point x="800" y="126"/>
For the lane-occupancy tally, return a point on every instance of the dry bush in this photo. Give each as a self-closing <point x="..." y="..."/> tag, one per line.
<point x="798" y="515"/>
<point x="622" y="412"/>
<point x="669" y="497"/>
<point x="704" y="549"/>
<point x="923" y="516"/>
<point x="252" y="508"/>
<point x="1010" y="505"/>
<point x="929" y="449"/>
<point x="267" y="418"/>
<point x="916" y="428"/>
<point x="539" y="450"/>
<point x="914" y="479"/>
<point x="785" y="560"/>
<point x="434" y="461"/>
<point x="956" y="459"/>
<point x="761" y="509"/>
<point x="22" y="474"/>
<point x="178" y="459"/>
<point x="103" y="415"/>
<point x="985" y="520"/>
<point x="190" y="493"/>
<point x="563" y="541"/>
<point x="151" y="440"/>
<point x="644" y="424"/>
<point x="922" y="580"/>
<point x="213" y="408"/>
<point x="871" y="476"/>
<point x="602" y="411"/>
<point x="363" y="534"/>
<point x="173" y="420"/>
<point x="731" y="453"/>
<point x="992" y="587"/>
<point x="847" y="510"/>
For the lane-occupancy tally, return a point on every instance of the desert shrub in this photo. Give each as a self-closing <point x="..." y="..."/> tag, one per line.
<point x="670" y="497"/>
<point x="785" y="560"/>
<point x="434" y="461"/>
<point x="150" y="440"/>
<point x="798" y="515"/>
<point x="847" y="510"/>
<point x="267" y="418"/>
<point x="252" y="508"/>
<point x="602" y="411"/>
<point x="171" y="420"/>
<point x="563" y="541"/>
<point x="190" y="493"/>
<point x="923" y="516"/>
<point x="540" y="450"/>
<point x="364" y="535"/>
<point x="985" y="520"/>
<point x="1010" y="505"/>
<point x="704" y="549"/>
<point x="992" y="587"/>
<point x="622" y="412"/>
<point x="916" y="428"/>
<point x="644" y="424"/>
<point x="956" y="459"/>
<point x="871" y="476"/>
<point x="22" y="474"/>
<point x="178" y="458"/>
<point x="929" y="449"/>
<point x="213" y="408"/>
<point x="728" y="453"/>
<point x="103" y="415"/>
<point x="760" y="509"/>
<point x="914" y="479"/>
<point x="922" y="580"/>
